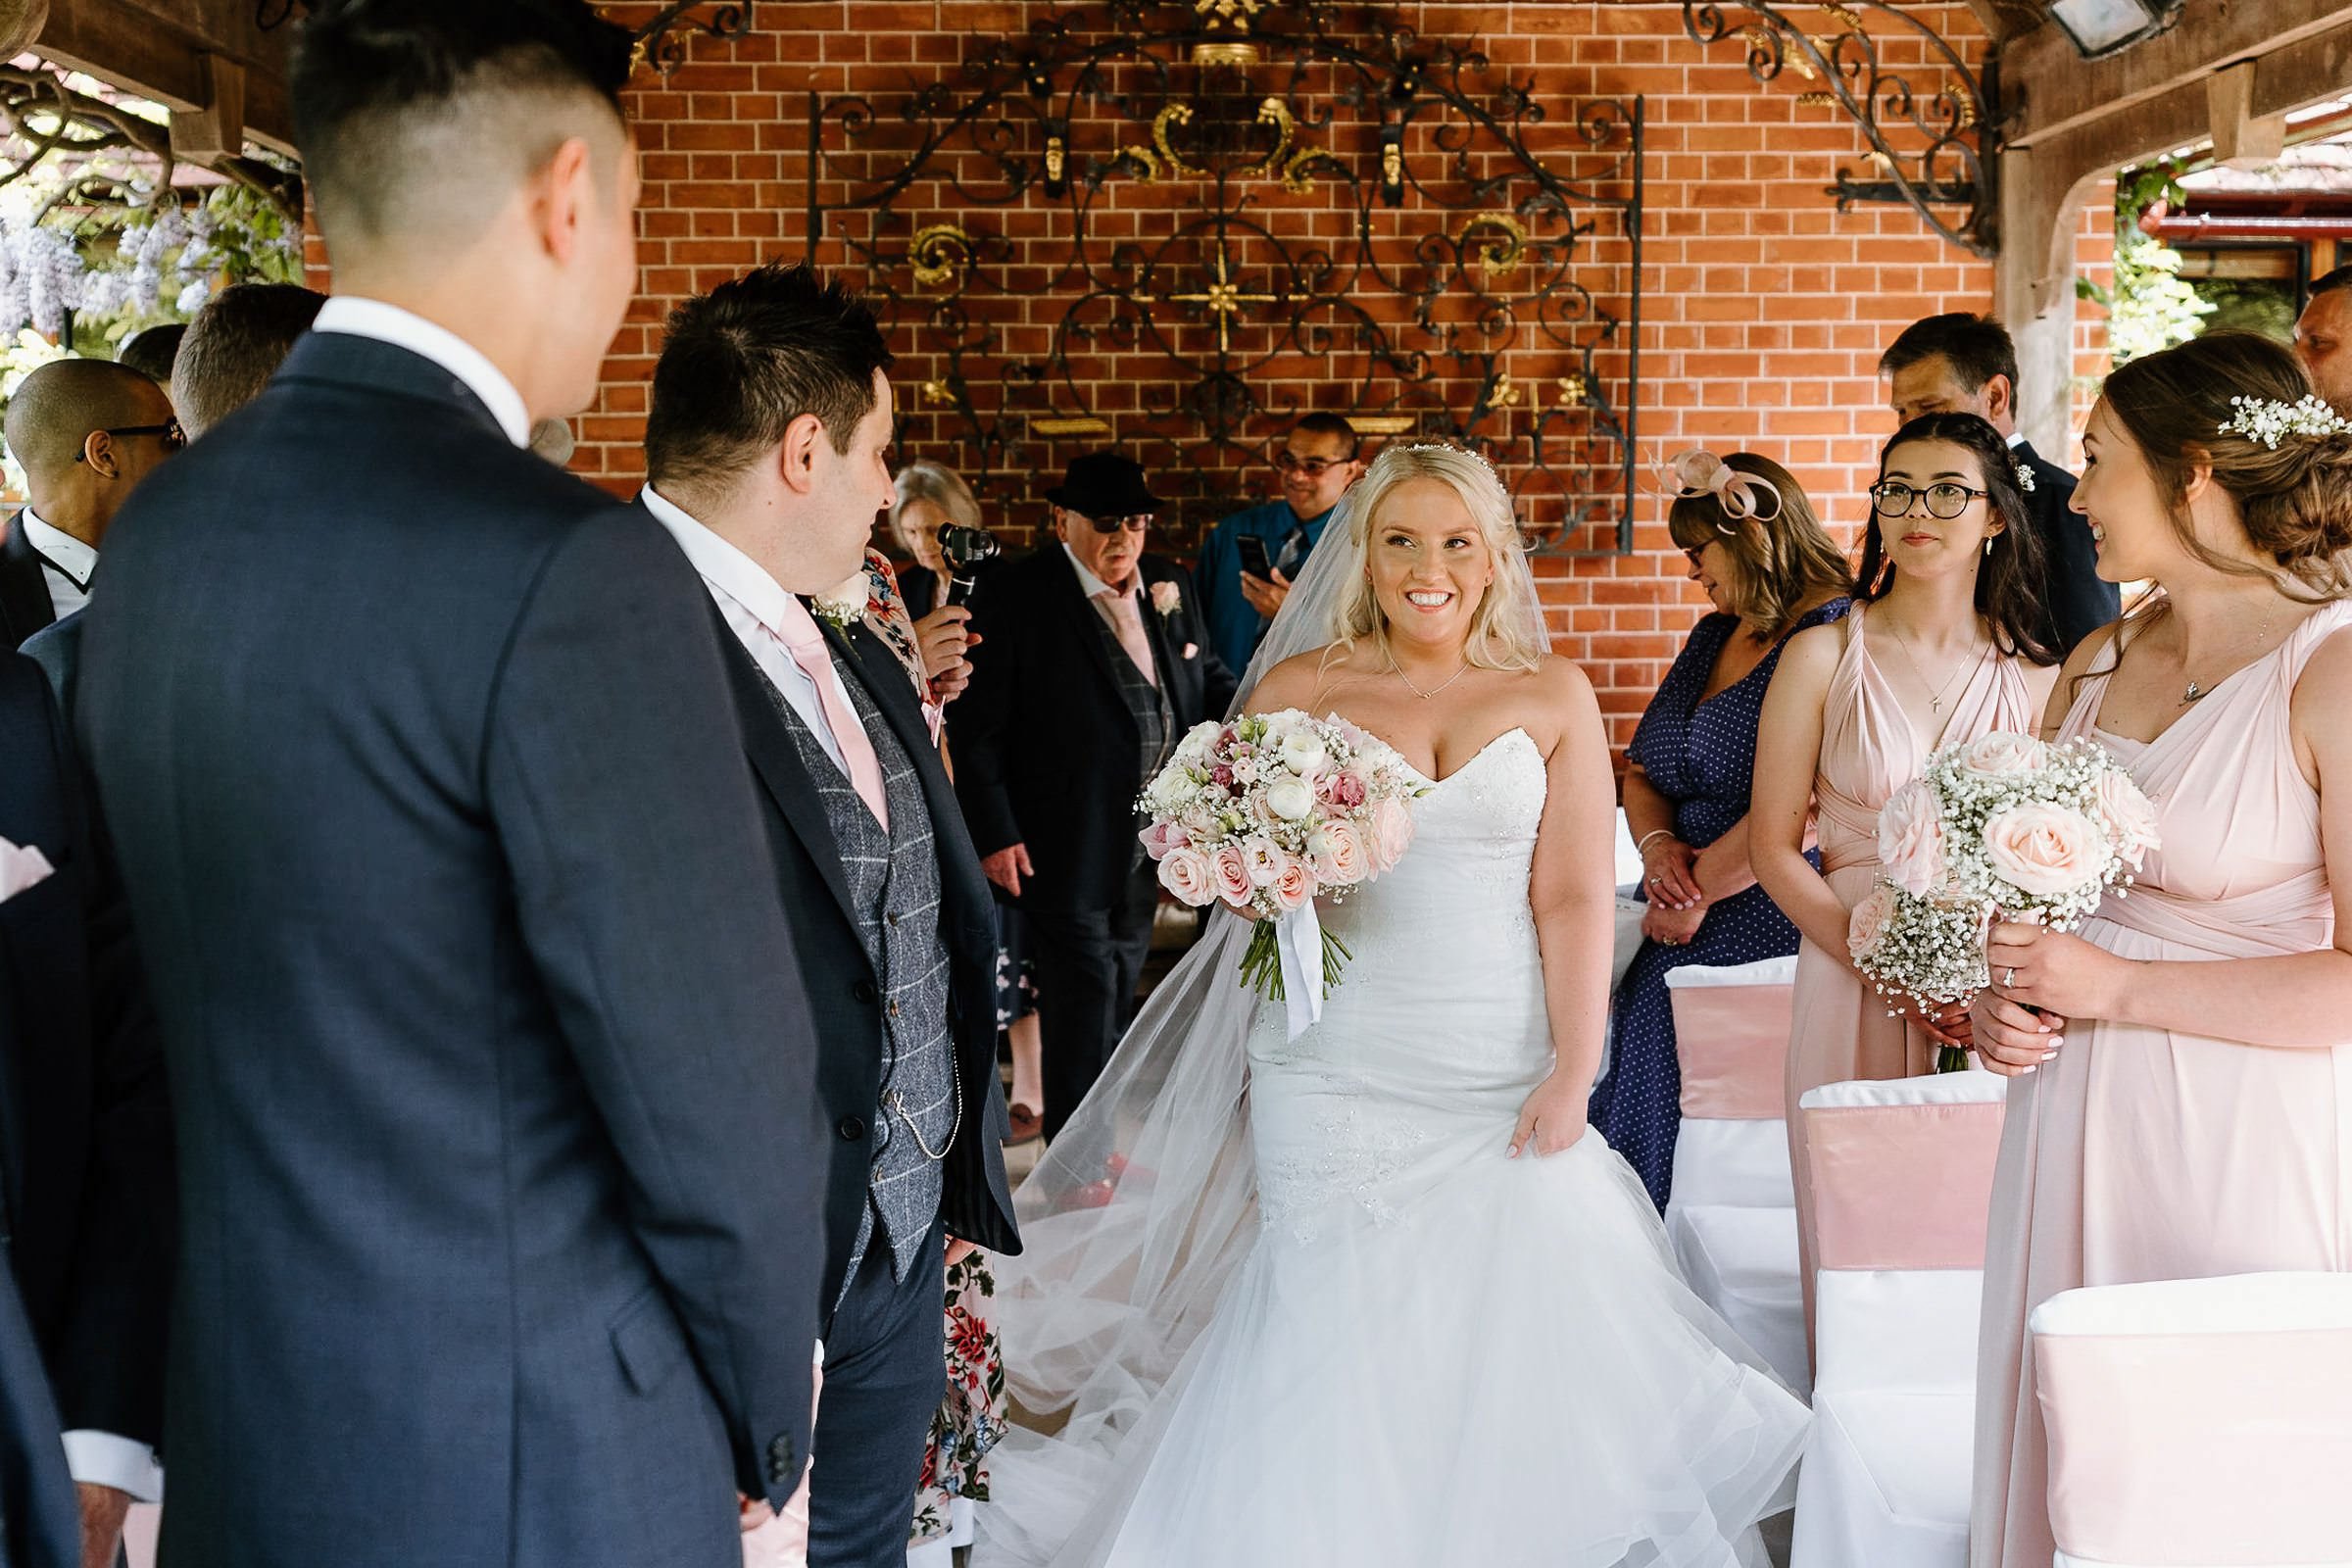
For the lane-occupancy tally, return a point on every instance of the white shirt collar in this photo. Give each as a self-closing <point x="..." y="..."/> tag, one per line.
<point x="2017" y="438"/>
<point x="389" y="323"/>
<point x="726" y="568"/>
<point x="62" y="551"/>
<point x="1093" y="586"/>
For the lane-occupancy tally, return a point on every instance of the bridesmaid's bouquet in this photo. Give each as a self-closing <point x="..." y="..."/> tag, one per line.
<point x="2002" y="826"/>
<point x="1265" y="816"/>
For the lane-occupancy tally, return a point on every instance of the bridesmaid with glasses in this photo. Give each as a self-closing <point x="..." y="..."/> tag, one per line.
<point x="1943" y="646"/>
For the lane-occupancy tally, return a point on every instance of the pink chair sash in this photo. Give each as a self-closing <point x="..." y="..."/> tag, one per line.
<point x="1733" y="1042"/>
<point x="1900" y="1186"/>
<point x="2214" y="1448"/>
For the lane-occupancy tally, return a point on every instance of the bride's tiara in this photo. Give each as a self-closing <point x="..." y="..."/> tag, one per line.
<point x="2269" y="422"/>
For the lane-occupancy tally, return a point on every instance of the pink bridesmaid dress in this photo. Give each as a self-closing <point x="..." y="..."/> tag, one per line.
<point x="1869" y="750"/>
<point x="2147" y="1154"/>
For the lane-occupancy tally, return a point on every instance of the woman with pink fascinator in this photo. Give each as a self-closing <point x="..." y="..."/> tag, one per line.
<point x="1943" y="646"/>
<point x="1769" y="572"/>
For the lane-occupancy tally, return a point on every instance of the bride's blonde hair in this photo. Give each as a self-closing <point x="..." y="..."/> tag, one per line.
<point x="1506" y="631"/>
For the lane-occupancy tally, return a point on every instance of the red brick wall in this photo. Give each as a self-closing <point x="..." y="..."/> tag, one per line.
<point x="1764" y="308"/>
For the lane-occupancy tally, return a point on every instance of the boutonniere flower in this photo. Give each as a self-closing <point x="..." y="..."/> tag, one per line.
<point x="843" y="603"/>
<point x="1167" y="598"/>
<point x="2024" y="477"/>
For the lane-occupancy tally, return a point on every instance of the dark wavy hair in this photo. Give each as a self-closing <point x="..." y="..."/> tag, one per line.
<point x="2009" y="579"/>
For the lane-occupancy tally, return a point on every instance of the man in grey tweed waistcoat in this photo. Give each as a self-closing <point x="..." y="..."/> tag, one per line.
<point x="765" y="442"/>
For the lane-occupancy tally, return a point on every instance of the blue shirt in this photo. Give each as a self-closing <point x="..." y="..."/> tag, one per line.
<point x="1234" y="628"/>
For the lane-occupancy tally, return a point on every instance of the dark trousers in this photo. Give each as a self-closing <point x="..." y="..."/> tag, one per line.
<point x="1087" y="966"/>
<point x="886" y="1372"/>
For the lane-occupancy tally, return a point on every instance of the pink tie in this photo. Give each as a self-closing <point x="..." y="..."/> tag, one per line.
<point x="806" y="642"/>
<point x="1128" y="622"/>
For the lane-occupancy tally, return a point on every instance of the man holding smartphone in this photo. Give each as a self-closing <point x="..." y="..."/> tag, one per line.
<point x="1249" y="560"/>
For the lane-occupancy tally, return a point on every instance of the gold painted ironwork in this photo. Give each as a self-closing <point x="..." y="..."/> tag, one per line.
<point x="1384" y="424"/>
<point x="1082" y="425"/>
<point x="1222" y="298"/>
<point x="1174" y="114"/>
<point x="1057" y="158"/>
<point x="937" y="252"/>
<point x="1500" y="255"/>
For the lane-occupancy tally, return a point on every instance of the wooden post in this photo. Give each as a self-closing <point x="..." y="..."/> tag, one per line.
<point x="215" y="130"/>
<point x="20" y="22"/>
<point x="2241" y="138"/>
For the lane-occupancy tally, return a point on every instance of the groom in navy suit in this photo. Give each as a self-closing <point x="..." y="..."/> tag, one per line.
<point x="770" y="419"/>
<point x="500" y="1166"/>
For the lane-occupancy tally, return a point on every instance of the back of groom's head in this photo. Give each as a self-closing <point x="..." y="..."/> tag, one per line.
<point x="235" y="345"/>
<point x="741" y="363"/>
<point x="417" y="119"/>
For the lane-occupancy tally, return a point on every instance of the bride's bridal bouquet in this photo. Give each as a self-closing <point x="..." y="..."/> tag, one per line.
<point x="1267" y="814"/>
<point x="2002" y="827"/>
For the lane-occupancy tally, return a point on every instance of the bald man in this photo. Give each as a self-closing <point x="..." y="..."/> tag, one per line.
<point x="86" y="432"/>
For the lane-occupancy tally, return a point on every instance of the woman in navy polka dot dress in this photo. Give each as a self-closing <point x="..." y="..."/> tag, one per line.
<point x="1770" y="570"/>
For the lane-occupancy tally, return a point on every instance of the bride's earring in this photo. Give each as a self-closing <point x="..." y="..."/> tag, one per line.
<point x="1989" y="539"/>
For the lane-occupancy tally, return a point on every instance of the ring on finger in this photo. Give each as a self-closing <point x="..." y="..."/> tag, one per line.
<point x="2009" y="977"/>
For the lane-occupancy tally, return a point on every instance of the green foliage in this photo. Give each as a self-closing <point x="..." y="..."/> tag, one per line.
<point x="2150" y="305"/>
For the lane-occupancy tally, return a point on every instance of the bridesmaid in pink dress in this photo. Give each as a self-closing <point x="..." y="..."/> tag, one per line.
<point x="2191" y="1102"/>
<point x="1940" y="648"/>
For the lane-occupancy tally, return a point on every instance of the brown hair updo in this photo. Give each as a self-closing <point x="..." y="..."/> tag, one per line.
<point x="1779" y="563"/>
<point x="2295" y="500"/>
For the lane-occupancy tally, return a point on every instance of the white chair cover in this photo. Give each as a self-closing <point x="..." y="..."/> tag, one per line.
<point x="1732" y="1218"/>
<point x="1900" y="1175"/>
<point x="2199" y="1423"/>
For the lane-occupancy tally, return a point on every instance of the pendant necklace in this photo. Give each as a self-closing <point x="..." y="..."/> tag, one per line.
<point x="1425" y="696"/>
<point x="2195" y="691"/>
<point x="1935" y="698"/>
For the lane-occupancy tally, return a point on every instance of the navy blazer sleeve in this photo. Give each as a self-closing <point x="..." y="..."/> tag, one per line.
<point x="618" y="778"/>
<point x="106" y="1362"/>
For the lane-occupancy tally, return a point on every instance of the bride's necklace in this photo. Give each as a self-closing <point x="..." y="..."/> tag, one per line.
<point x="1425" y="696"/>
<point x="1935" y="698"/>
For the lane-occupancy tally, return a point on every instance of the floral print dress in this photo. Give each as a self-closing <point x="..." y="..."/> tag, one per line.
<point x="971" y="1417"/>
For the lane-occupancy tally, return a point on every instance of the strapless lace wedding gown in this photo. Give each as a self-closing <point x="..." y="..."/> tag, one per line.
<point x="1434" y="1354"/>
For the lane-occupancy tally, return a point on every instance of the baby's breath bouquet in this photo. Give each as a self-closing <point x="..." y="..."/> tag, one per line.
<point x="2004" y="826"/>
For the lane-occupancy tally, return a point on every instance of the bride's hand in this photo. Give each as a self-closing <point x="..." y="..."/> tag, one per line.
<point x="1553" y="1117"/>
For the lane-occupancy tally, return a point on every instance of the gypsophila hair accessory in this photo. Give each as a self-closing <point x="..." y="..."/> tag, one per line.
<point x="2271" y="421"/>
<point x="2024" y="477"/>
<point x="1742" y="496"/>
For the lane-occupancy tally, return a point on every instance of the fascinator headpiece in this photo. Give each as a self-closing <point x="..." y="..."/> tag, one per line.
<point x="1742" y="496"/>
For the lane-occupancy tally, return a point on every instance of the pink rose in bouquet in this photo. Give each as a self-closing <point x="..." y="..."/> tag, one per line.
<point x="2044" y="848"/>
<point x="1272" y="813"/>
<point x="1911" y="839"/>
<point x="2129" y="816"/>
<point x="1867" y="926"/>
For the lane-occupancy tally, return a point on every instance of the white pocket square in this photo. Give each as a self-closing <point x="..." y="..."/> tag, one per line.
<point x="1192" y="650"/>
<point x="21" y="867"/>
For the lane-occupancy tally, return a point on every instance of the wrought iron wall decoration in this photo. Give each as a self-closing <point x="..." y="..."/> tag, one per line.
<point x="661" y="39"/>
<point x="1179" y="225"/>
<point x="1929" y="150"/>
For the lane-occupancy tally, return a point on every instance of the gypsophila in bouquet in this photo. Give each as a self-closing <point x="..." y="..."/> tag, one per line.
<point x="1265" y="816"/>
<point x="2001" y="827"/>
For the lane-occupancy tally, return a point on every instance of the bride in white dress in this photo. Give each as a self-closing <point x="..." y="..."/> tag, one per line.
<point x="1376" y="1295"/>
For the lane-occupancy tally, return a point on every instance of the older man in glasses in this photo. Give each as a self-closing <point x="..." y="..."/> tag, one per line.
<point x="1092" y="662"/>
<point x="85" y="432"/>
<point x="1250" y="559"/>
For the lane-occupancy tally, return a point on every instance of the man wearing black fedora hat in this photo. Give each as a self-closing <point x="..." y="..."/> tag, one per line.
<point x="1092" y="663"/>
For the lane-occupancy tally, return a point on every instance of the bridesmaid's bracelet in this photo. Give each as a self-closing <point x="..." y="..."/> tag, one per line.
<point x="1643" y="846"/>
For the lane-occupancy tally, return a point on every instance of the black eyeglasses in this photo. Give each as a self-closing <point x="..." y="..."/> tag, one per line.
<point x="173" y="436"/>
<point x="1135" y="524"/>
<point x="1947" y="501"/>
<point x="1313" y="467"/>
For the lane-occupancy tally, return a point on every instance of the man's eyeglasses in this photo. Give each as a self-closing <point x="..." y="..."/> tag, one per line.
<point x="169" y="432"/>
<point x="1947" y="501"/>
<point x="1136" y="523"/>
<point x="1289" y="462"/>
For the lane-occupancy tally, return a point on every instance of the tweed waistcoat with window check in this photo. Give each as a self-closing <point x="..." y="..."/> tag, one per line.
<point x="1154" y="720"/>
<point x="893" y="879"/>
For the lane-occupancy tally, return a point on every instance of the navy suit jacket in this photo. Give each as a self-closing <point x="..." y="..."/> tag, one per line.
<point x="25" y="606"/>
<point x="500" y="1169"/>
<point x="1045" y="750"/>
<point x="85" y="1136"/>
<point x="2078" y="603"/>
<point x="844" y="991"/>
